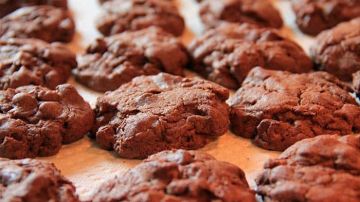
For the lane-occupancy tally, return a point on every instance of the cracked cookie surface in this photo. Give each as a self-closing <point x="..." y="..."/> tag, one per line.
<point x="178" y="175"/>
<point x="47" y="23"/>
<point x="112" y="61"/>
<point x="323" y="168"/>
<point x="337" y="50"/>
<point x="314" y="16"/>
<point x="226" y="54"/>
<point x="36" y="121"/>
<point x="34" y="181"/>
<point x="7" y="6"/>
<point x="259" y="12"/>
<point x="277" y="109"/>
<point x="130" y="15"/>
<point x="34" y="62"/>
<point x="156" y="113"/>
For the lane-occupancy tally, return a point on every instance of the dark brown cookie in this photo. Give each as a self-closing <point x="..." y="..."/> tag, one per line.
<point x="314" y="16"/>
<point x="8" y="6"/>
<point x="34" y="181"/>
<point x="129" y="15"/>
<point x="277" y="109"/>
<point x="356" y="83"/>
<point x="259" y="12"/>
<point x="110" y="62"/>
<point x="323" y="168"/>
<point x="34" y="62"/>
<point x="156" y="113"/>
<point x="35" y="121"/>
<point x="176" y="176"/>
<point x="226" y="54"/>
<point x="47" y="23"/>
<point x="337" y="50"/>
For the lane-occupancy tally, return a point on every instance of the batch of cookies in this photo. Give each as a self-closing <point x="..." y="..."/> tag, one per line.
<point x="285" y="100"/>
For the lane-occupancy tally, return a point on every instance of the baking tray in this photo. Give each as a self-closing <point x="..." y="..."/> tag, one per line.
<point x="87" y="165"/>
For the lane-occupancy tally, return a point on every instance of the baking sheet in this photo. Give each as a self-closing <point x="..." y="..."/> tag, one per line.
<point x="87" y="166"/>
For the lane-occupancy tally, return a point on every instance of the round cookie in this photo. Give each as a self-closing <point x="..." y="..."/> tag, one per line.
<point x="314" y="16"/>
<point x="178" y="175"/>
<point x="337" y="50"/>
<point x="156" y="113"/>
<point x="259" y="12"/>
<point x="42" y="22"/>
<point x="356" y="83"/>
<point x="8" y="6"/>
<point x="226" y="54"/>
<point x="112" y="61"/>
<point x="34" y="181"/>
<point x="323" y="168"/>
<point x="34" y="62"/>
<point x="130" y="15"/>
<point x="35" y="121"/>
<point x="276" y="109"/>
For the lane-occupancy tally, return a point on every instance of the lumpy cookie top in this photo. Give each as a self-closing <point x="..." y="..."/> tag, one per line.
<point x="34" y="181"/>
<point x="314" y="16"/>
<point x="277" y="109"/>
<point x="156" y="113"/>
<point x="178" y="175"/>
<point x="356" y="82"/>
<point x="7" y="6"/>
<point x="35" y="121"/>
<point x="259" y="12"/>
<point x="110" y="62"/>
<point x="31" y="61"/>
<point x="337" y="50"/>
<point x="226" y="54"/>
<point x="42" y="22"/>
<point x="324" y="168"/>
<point x="124" y="15"/>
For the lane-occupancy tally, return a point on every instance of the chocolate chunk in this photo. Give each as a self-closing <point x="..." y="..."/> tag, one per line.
<point x="226" y="54"/>
<point x="314" y="16"/>
<point x="178" y="175"/>
<point x="259" y="12"/>
<point x="337" y="50"/>
<point x="42" y="22"/>
<point x="112" y="61"/>
<point x="277" y="109"/>
<point x="35" y="121"/>
<point x="31" y="61"/>
<point x="34" y="181"/>
<point x="323" y="168"/>
<point x="156" y="113"/>
<point x="125" y="15"/>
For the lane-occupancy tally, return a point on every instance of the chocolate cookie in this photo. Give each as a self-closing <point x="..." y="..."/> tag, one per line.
<point x="314" y="16"/>
<point x="34" y="181"/>
<point x="178" y="175"/>
<point x="226" y="54"/>
<point x="34" y="62"/>
<point x="277" y="109"/>
<point x="124" y="15"/>
<point x="259" y="12"/>
<point x="110" y="62"/>
<point x="156" y="113"/>
<point x="324" y="168"/>
<point x="42" y="22"/>
<point x="35" y="121"/>
<point x="337" y="50"/>
<point x="8" y="6"/>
